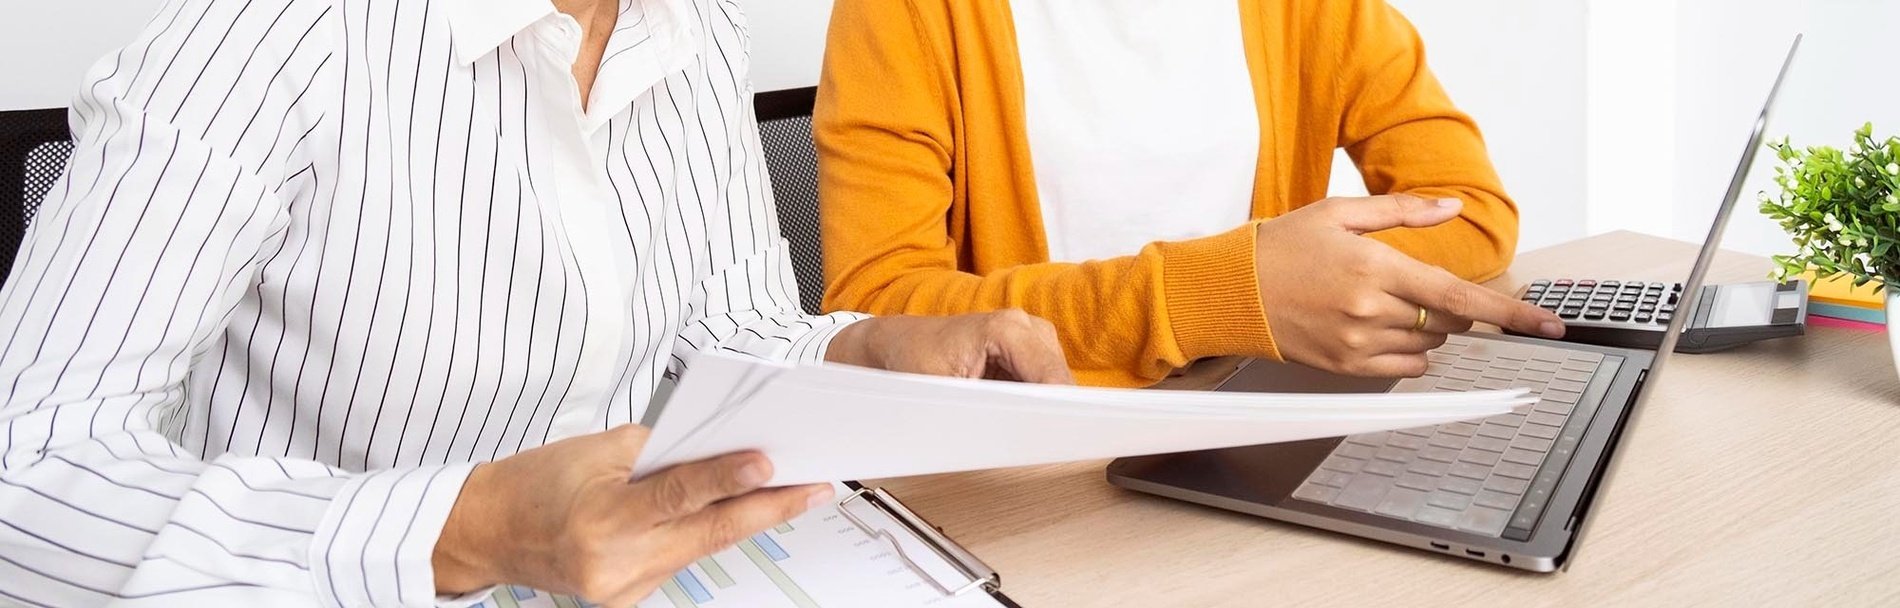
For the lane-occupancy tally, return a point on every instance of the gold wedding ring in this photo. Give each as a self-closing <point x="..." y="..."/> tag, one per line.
<point x="1423" y="317"/>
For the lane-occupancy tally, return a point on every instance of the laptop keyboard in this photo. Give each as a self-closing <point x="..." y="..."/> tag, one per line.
<point x="1491" y="477"/>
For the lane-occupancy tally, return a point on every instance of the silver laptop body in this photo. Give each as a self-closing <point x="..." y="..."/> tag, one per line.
<point x="1511" y="490"/>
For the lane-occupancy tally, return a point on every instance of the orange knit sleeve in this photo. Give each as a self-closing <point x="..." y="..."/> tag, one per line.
<point x="1403" y="132"/>
<point x="885" y="125"/>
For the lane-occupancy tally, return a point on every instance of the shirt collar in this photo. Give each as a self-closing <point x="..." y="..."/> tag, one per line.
<point x="478" y="27"/>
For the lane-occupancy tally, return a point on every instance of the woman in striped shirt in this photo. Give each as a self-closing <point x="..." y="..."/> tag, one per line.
<point x="316" y="260"/>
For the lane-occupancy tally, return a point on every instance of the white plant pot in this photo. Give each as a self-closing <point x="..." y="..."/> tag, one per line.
<point x="1893" y="323"/>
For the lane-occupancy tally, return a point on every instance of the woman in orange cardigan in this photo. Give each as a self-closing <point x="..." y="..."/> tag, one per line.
<point x="1144" y="175"/>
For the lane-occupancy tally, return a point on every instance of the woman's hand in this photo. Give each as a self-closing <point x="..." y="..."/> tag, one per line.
<point x="1000" y="345"/>
<point x="1341" y="302"/>
<point x="567" y="517"/>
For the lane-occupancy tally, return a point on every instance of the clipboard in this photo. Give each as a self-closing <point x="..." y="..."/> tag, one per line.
<point x="944" y="564"/>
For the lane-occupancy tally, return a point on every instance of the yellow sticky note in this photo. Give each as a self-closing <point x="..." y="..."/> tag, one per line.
<point x="1840" y="291"/>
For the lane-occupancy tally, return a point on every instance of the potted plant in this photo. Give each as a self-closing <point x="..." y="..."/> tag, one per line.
<point x="1843" y="210"/>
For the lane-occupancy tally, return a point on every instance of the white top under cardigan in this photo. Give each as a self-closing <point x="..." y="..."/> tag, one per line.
<point x="1141" y="119"/>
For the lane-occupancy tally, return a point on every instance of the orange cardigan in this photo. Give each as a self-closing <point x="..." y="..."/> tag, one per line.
<point x="929" y="197"/>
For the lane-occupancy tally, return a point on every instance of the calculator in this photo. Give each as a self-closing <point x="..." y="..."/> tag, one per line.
<point x="1636" y="314"/>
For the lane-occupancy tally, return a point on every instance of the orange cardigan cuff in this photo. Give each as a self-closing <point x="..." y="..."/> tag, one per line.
<point x="1212" y="294"/>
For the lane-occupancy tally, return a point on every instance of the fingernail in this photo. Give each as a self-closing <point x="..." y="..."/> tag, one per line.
<point x="1553" y="329"/>
<point x="754" y="475"/>
<point x="819" y="498"/>
<point x="1449" y="202"/>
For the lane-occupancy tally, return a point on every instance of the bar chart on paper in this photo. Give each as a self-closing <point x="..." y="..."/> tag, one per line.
<point x="819" y="560"/>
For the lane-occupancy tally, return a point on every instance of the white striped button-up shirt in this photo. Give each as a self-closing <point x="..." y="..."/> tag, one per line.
<point x="312" y="258"/>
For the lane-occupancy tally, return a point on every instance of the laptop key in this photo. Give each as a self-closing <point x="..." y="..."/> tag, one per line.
<point x="1394" y="453"/>
<point x="1532" y="443"/>
<point x="1329" y="478"/>
<point x="1489" y="444"/>
<point x="1432" y="469"/>
<point x="1461" y="429"/>
<point x="1471" y="470"/>
<point x="1523" y="456"/>
<point x="1343" y="464"/>
<point x="1356" y="450"/>
<point x="1418" y="481"/>
<point x="1493" y="429"/>
<point x="1437" y="516"/>
<point x="1401" y="502"/>
<point x="1316" y="493"/>
<point x="1514" y="470"/>
<point x="1538" y="430"/>
<point x="1460" y="485"/>
<point x="1495" y="499"/>
<point x="1380" y="467"/>
<point x="1507" y="485"/>
<point x="1442" y="454"/>
<point x="1545" y="419"/>
<point x="1484" y="520"/>
<point x="1553" y="407"/>
<point x="1372" y="440"/>
<point x="1449" y="500"/>
<point x="1479" y="457"/>
<point x="1363" y="493"/>
<point x="1404" y="442"/>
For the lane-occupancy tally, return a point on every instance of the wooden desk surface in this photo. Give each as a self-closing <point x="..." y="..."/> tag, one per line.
<point x="1768" y="475"/>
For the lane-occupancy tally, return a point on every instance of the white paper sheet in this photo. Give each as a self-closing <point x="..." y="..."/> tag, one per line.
<point x="825" y="423"/>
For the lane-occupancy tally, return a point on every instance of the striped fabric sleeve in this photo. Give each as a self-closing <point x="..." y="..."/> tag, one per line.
<point x="186" y="160"/>
<point x="751" y="304"/>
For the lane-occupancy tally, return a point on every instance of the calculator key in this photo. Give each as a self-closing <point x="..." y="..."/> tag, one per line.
<point x="1595" y="314"/>
<point x="1565" y="282"/>
<point x="1586" y="283"/>
<point x="1620" y="316"/>
<point x="1570" y="312"/>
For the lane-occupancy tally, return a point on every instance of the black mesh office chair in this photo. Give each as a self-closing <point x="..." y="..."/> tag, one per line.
<point x="792" y="159"/>
<point x="34" y="147"/>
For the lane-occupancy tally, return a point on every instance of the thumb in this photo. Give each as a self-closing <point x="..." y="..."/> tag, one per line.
<point x="1375" y="213"/>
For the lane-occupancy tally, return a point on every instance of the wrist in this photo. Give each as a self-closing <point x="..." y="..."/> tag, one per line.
<point x="464" y="556"/>
<point x="854" y="345"/>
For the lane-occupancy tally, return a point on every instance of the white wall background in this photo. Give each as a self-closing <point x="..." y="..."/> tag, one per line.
<point x="1600" y="114"/>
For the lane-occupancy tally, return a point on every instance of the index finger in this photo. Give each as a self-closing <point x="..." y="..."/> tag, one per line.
<point x="1438" y="289"/>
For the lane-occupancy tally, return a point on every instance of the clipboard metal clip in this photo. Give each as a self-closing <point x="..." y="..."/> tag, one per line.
<point x="974" y="574"/>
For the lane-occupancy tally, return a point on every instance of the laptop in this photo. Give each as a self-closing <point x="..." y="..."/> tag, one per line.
<point x="1511" y="490"/>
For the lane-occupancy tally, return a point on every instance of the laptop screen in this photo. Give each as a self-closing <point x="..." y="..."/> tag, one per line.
<point x="1692" y="288"/>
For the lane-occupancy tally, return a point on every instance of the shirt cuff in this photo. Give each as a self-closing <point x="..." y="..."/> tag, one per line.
<point x="810" y="346"/>
<point x="377" y="540"/>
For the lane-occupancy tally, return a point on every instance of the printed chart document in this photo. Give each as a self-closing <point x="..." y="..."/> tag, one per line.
<point x="820" y="423"/>
<point x="819" y="560"/>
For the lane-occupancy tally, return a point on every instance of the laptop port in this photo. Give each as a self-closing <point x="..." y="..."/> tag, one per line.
<point x="1506" y="558"/>
<point x="1441" y="546"/>
<point x="1474" y="553"/>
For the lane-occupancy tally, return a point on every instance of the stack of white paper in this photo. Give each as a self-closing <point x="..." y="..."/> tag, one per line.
<point x="825" y="423"/>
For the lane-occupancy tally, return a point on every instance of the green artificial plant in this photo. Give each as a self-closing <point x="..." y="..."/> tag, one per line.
<point x="1842" y="208"/>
